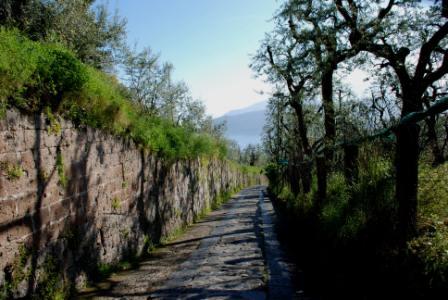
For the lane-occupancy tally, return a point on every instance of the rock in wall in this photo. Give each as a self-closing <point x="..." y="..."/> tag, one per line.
<point x="84" y="197"/>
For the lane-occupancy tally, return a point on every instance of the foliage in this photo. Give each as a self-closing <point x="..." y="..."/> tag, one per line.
<point x="220" y="199"/>
<point x="47" y="78"/>
<point x="252" y="155"/>
<point x="86" y="29"/>
<point x="12" y="171"/>
<point x="104" y="270"/>
<point x="116" y="203"/>
<point x="18" y="272"/>
<point x="334" y="212"/>
<point x="148" y="245"/>
<point x="359" y="201"/>
<point x="151" y="86"/>
<point x="430" y="248"/>
<point x="34" y="75"/>
<point x="54" y="126"/>
<point x="61" y="169"/>
<point x="273" y="173"/>
<point x="173" y="235"/>
<point x="51" y="285"/>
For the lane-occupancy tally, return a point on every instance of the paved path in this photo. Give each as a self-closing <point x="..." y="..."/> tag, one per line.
<point x="232" y="254"/>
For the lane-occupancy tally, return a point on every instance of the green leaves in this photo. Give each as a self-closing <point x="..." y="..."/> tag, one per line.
<point x="87" y="30"/>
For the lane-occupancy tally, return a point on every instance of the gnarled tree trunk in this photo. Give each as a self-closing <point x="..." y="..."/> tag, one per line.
<point x="324" y="163"/>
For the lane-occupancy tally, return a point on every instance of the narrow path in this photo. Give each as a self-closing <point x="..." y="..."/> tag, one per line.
<point x="231" y="254"/>
<point x="280" y="285"/>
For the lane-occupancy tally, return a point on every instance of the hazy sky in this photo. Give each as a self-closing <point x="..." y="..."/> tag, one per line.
<point x="208" y="42"/>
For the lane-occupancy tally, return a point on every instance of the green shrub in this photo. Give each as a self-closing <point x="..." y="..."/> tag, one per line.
<point x="430" y="247"/>
<point x="20" y="273"/>
<point x="34" y="75"/>
<point x="286" y="194"/>
<point x="51" y="285"/>
<point x="433" y="191"/>
<point x="335" y="208"/>
<point x="12" y="171"/>
<point x="116" y="203"/>
<point x="61" y="169"/>
<point x="58" y="74"/>
<point x="18" y="63"/>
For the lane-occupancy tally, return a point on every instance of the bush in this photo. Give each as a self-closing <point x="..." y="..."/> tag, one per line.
<point x="430" y="247"/>
<point x="58" y="73"/>
<point x="34" y="75"/>
<point x="335" y="209"/>
<point x="18" y="62"/>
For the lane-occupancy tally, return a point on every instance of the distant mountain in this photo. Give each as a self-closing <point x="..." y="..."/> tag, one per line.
<point x="260" y="106"/>
<point x="245" y="126"/>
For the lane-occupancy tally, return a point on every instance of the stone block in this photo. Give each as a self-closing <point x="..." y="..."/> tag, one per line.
<point x="26" y="205"/>
<point x="8" y="210"/>
<point x="13" y="118"/>
<point x="44" y="217"/>
<point x="59" y="210"/>
<point x="19" y="229"/>
<point x="7" y="143"/>
<point x="10" y="187"/>
<point x="27" y="160"/>
<point x="53" y="192"/>
<point x="50" y="140"/>
<point x="50" y="195"/>
<point x="46" y="158"/>
<point x="4" y="126"/>
<point x="78" y="205"/>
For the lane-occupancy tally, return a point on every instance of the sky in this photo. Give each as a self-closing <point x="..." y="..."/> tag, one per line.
<point x="209" y="42"/>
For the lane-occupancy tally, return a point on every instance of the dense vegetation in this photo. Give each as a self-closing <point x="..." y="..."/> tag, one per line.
<point x="368" y="208"/>
<point x="53" y="59"/>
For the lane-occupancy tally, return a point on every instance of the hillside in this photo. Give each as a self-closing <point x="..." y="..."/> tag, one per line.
<point x="245" y="126"/>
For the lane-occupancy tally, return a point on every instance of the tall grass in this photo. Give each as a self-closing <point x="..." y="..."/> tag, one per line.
<point x="352" y="235"/>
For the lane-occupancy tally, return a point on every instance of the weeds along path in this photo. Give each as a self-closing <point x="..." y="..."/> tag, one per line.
<point x="231" y="254"/>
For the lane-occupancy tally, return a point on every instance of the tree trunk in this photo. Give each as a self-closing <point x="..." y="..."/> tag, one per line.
<point x="321" y="170"/>
<point x="306" y="177"/>
<point x="302" y="128"/>
<point x="407" y="155"/>
<point x="294" y="179"/>
<point x="304" y="169"/>
<point x="445" y="8"/>
<point x="325" y="163"/>
<point x="406" y="163"/>
<point x="329" y="119"/>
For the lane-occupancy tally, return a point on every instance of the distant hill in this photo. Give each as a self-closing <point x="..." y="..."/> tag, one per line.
<point x="260" y="106"/>
<point x="245" y="126"/>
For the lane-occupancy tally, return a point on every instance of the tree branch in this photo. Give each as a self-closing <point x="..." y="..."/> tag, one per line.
<point x="445" y="8"/>
<point x="428" y="48"/>
<point x="383" y="12"/>
<point x="437" y="74"/>
<point x="345" y="14"/>
<point x="396" y="61"/>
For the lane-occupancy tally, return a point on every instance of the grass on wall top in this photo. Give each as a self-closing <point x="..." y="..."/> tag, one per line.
<point x="40" y="77"/>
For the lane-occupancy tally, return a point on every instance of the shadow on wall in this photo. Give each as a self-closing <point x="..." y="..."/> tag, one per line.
<point x="61" y="234"/>
<point x="88" y="200"/>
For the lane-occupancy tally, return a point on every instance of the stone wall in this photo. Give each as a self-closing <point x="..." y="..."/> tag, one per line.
<point x="85" y="198"/>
